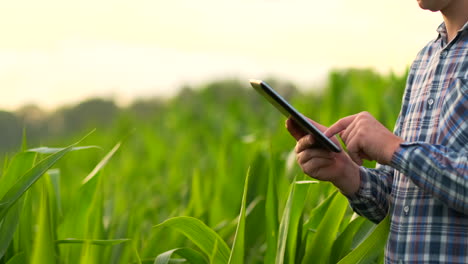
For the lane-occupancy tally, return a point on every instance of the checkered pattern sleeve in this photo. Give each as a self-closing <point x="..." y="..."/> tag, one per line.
<point x="371" y="200"/>
<point x="438" y="170"/>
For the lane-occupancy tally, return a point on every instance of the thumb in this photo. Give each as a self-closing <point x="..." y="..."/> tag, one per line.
<point x="294" y="129"/>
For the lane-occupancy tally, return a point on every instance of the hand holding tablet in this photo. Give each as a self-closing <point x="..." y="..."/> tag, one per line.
<point x="284" y="107"/>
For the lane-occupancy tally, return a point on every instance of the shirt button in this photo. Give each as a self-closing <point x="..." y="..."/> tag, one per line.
<point x="430" y="102"/>
<point x="406" y="209"/>
<point x="443" y="54"/>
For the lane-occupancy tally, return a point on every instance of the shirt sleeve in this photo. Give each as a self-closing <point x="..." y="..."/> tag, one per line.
<point x="438" y="170"/>
<point x="372" y="198"/>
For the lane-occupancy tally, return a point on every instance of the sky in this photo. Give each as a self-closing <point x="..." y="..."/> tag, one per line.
<point x="58" y="52"/>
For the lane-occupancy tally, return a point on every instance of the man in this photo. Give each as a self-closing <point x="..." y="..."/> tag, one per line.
<point x="422" y="176"/>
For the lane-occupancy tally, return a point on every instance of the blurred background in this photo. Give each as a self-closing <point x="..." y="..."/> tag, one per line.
<point x="56" y="54"/>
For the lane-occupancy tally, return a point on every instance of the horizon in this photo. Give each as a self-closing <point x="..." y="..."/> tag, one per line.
<point x="54" y="54"/>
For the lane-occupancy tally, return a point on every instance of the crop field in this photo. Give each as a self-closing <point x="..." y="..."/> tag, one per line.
<point x="208" y="176"/>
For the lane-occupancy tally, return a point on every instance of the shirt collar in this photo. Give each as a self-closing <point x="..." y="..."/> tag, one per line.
<point x="464" y="28"/>
<point x="442" y="30"/>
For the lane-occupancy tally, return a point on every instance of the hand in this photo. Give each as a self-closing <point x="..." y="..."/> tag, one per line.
<point x="322" y="164"/>
<point x="366" y="138"/>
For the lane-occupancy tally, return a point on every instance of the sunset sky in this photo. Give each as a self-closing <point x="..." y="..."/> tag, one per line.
<point x="55" y="52"/>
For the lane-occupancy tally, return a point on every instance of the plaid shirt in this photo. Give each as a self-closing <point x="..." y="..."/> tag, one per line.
<point x="425" y="188"/>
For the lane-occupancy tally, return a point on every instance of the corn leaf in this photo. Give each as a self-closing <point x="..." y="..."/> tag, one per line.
<point x="237" y="251"/>
<point x="295" y="222"/>
<point x="343" y="244"/>
<point x="8" y="226"/>
<point x="319" y="245"/>
<point x="87" y="211"/>
<point x="17" y="167"/>
<point x="98" y="242"/>
<point x="43" y="249"/>
<point x="291" y="221"/>
<point x="201" y="235"/>
<point x="192" y="256"/>
<point x="271" y="214"/>
<point x="316" y="215"/>
<point x="19" y="258"/>
<point x="214" y="253"/>
<point x="368" y="250"/>
<point x="284" y="227"/>
<point x="102" y="163"/>
<point x="28" y="179"/>
<point x="47" y="150"/>
<point x="227" y="228"/>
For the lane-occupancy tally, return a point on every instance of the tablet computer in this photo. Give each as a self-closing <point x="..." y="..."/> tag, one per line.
<point x="284" y="107"/>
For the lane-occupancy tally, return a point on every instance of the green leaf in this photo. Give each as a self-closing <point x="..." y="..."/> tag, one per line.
<point x="291" y="222"/>
<point x="17" y="167"/>
<point x="374" y="244"/>
<point x="283" y="228"/>
<point x="201" y="235"/>
<point x="28" y="179"/>
<point x="362" y="233"/>
<point x="98" y="242"/>
<point x="19" y="258"/>
<point x="192" y="256"/>
<point x="226" y="228"/>
<point x="102" y="163"/>
<point x="214" y="253"/>
<point x="87" y="210"/>
<point x="54" y="175"/>
<point x="316" y="215"/>
<point x="43" y="249"/>
<point x="237" y="251"/>
<point x="47" y="150"/>
<point x="295" y="222"/>
<point x="271" y="214"/>
<point x="196" y="198"/>
<point x="8" y="226"/>
<point x="343" y="243"/>
<point x="319" y="245"/>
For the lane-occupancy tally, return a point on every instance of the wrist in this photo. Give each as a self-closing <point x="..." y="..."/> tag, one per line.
<point x="391" y="149"/>
<point x="350" y="181"/>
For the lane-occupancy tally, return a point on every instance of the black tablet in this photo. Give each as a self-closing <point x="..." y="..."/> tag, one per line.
<point x="284" y="107"/>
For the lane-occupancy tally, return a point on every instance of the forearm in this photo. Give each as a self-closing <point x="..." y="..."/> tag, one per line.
<point x="371" y="200"/>
<point x="437" y="170"/>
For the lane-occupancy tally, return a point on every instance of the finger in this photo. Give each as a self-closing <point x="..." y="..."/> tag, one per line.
<point x="309" y="154"/>
<point x="313" y="166"/>
<point x="323" y="128"/>
<point x="355" y="157"/>
<point x="340" y="125"/>
<point x="294" y="129"/>
<point x="350" y="131"/>
<point x="354" y="150"/>
<point x="356" y="144"/>
<point x="305" y="142"/>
